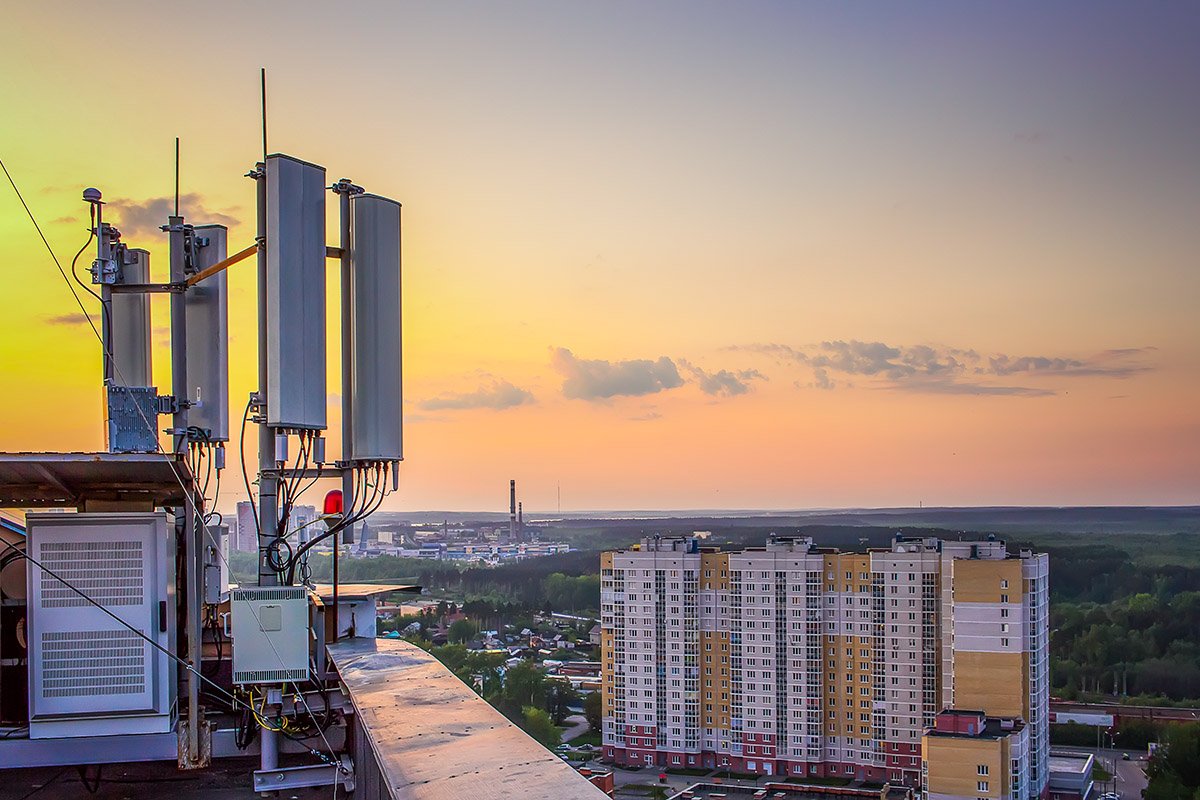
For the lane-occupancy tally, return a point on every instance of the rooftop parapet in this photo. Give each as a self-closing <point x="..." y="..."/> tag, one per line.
<point x="420" y="733"/>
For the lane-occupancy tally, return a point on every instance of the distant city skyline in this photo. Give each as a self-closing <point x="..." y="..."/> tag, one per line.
<point x="673" y="256"/>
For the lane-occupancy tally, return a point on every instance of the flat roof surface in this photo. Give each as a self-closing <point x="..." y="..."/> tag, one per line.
<point x="66" y="480"/>
<point x="436" y="739"/>
<point x="1068" y="763"/>
<point x="792" y="791"/>
<point x="355" y="591"/>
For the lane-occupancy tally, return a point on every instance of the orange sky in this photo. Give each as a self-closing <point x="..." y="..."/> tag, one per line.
<point x="677" y="256"/>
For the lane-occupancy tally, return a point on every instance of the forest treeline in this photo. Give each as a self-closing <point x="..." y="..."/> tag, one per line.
<point x="1121" y="627"/>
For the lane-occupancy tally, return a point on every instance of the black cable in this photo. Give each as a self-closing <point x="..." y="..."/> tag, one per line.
<point x="125" y="624"/>
<point x="246" y="475"/>
<point x="349" y="517"/>
<point x="258" y="717"/>
<point x="105" y="308"/>
<point x="217" y="496"/>
<point x="108" y="352"/>
<point x="274" y="560"/>
<point x="92" y="786"/>
<point x="74" y="274"/>
<point x="50" y="249"/>
<point x="378" y="493"/>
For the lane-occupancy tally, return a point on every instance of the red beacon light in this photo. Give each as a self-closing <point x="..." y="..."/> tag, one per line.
<point x="333" y="503"/>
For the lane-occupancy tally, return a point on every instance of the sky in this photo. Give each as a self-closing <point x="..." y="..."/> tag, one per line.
<point x="668" y="255"/>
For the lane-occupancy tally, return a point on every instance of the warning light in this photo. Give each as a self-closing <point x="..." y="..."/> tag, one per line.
<point x="333" y="502"/>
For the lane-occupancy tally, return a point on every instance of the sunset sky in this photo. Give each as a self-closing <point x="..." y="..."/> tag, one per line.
<point x="669" y="255"/>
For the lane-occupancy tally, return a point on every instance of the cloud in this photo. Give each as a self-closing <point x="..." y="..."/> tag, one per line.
<point x="64" y="220"/>
<point x="781" y="352"/>
<point x="946" y="370"/>
<point x="896" y="363"/>
<point x="1110" y="363"/>
<point x="138" y="218"/>
<point x="597" y="379"/>
<point x="67" y="319"/>
<point x="722" y="382"/>
<point x="821" y="379"/>
<point x="421" y="419"/>
<point x="969" y="388"/>
<point x="498" y="396"/>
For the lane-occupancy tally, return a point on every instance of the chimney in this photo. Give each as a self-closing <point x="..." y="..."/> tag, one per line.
<point x="521" y="520"/>
<point x="512" y="510"/>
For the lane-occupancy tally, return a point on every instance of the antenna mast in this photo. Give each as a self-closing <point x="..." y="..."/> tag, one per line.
<point x="263" y="93"/>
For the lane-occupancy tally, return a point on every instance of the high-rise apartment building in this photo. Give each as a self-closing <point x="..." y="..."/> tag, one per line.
<point x="797" y="660"/>
<point x="246" y="536"/>
<point x="302" y="526"/>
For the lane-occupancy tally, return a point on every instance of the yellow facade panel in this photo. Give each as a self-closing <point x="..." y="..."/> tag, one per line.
<point x="714" y="571"/>
<point x="994" y="683"/>
<point x="959" y="766"/>
<point x="987" y="580"/>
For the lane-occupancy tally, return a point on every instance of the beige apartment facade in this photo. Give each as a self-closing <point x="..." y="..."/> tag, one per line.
<point x="795" y="660"/>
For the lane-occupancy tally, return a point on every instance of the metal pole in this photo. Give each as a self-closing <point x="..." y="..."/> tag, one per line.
<point x="270" y="748"/>
<point x="347" y="384"/>
<point x="268" y="512"/>
<point x="185" y="520"/>
<point x="104" y="253"/>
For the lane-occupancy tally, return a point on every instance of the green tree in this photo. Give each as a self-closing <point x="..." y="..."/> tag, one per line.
<point x="593" y="709"/>
<point x="559" y="697"/>
<point x="462" y="630"/>
<point x="537" y="723"/>
<point x="1174" y="770"/>
<point x="524" y="685"/>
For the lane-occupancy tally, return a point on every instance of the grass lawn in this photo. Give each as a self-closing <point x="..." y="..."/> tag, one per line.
<point x="727" y="774"/>
<point x="1100" y="774"/>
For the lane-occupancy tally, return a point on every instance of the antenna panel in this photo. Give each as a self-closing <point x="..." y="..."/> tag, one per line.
<point x="295" y="293"/>
<point x="375" y="297"/>
<point x="132" y="363"/>
<point x="208" y="339"/>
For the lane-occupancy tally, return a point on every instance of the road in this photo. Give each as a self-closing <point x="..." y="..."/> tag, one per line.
<point x="574" y="725"/>
<point x="1130" y="776"/>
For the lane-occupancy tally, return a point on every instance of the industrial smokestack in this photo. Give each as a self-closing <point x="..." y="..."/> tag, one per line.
<point x="512" y="510"/>
<point x="521" y="520"/>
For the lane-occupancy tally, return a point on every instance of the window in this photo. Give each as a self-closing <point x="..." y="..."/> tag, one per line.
<point x="982" y="769"/>
<point x="982" y="786"/>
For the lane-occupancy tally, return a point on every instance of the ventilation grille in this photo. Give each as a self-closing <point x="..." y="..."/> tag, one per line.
<point x="111" y="573"/>
<point x="269" y="675"/>
<point x="89" y="663"/>
<point x="270" y="593"/>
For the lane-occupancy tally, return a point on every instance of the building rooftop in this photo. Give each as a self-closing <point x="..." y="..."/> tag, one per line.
<point x="359" y="591"/>
<point x="429" y="737"/>
<point x="791" y="791"/>
<point x="1071" y="763"/>
<point x="70" y="480"/>
<point x="992" y="729"/>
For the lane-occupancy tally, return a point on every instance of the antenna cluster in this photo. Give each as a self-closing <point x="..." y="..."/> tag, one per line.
<point x="291" y="403"/>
